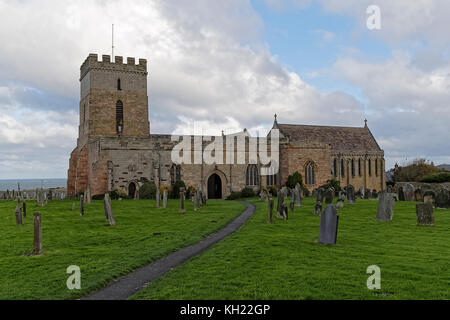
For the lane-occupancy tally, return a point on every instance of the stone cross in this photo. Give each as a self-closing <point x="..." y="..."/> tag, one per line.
<point x="270" y="209"/>
<point x="108" y="210"/>
<point x="37" y="248"/>
<point x="82" y="205"/>
<point x="385" y="207"/>
<point x="19" y="216"/>
<point x="329" y="223"/>
<point x="165" y="199"/>
<point x="182" y="198"/>
<point x="158" y="198"/>
<point x="425" y="215"/>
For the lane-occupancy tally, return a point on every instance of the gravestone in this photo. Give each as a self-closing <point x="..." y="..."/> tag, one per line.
<point x="361" y="192"/>
<point x="367" y="194"/>
<point x="442" y="200"/>
<point x="329" y="223"/>
<point x="284" y="212"/>
<point x="82" y="205"/>
<point x="37" y="239"/>
<point x="165" y="199"/>
<point x="292" y="204"/>
<point x="108" y="210"/>
<point x="350" y="194"/>
<point x="425" y="216"/>
<point x="401" y="194"/>
<point x="385" y="207"/>
<point x="196" y="200"/>
<point x="203" y="199"/>
<point x="18" y="213"/>
<point x="24" y="208"/>
<point x="298" y="199"/>
<point x="158" y="198"/>
<point x="418" y="195"/>
<point x="374" y="194"/>
<point x="270" y="210"/>
<point x="429" y="197"/>
<point x="341" y="201"/>
<point x="182" y="198"/>
<point x="329" y="196"/>
<point x="319" y="201"/>
<point x="280" y="202"/>
<point x="408" y="191"/>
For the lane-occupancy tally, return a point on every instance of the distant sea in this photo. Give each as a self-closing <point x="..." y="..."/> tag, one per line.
<point x="32" y="184"/>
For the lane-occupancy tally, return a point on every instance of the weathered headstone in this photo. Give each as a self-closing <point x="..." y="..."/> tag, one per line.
<point x="82" y="205"/>
<point x="385" y="207"/>
<point x="298" y="199"/>
<point x="418" y="195"/>
<point x="284" y="212"/>
<point x="442" y="199"/>
<point x="425" y="216"/>
<point x="350" y="194"/>
<point x="429" y="197"/>
<point x="108" y="210"/>
<point x="361" y="192"/>
<point x="18" y="213"/>
<point x="319" y="202"/>
<point x="158" y="198"/>
<point x="270" y="210"/>
<point x="292" y="204"/>
<point x="165" y="199"/>
<point x="280" y="202"/>
<point x="182" y="198"/>
<point x="329" y="196"/>
<point x="329" y="223"/>
<point x="408" y="191"/>
<point x="37" y="221"/>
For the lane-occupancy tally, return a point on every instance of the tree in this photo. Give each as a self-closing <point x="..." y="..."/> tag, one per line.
<point x="415" y="171"/>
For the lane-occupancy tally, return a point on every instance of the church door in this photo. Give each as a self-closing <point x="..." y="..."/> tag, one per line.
<point x="214" y="187"/>
<point x="131" y="190"/>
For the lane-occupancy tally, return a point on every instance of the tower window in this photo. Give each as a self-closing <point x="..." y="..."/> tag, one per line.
<point x="119" y="117"/>
<point x="119" y="87"/>
<point x="353" y="167"/>
<point x="370" y="167"/>
<point x="376" y="167"/>
<point x="359" y="167"/>
<point x="310" y="178"/>
<point x="335" y="167"/>
<point x="342" y="168"/>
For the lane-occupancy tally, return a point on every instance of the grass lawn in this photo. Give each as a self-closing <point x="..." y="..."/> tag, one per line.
<point x="284" y="260"/>
<point x="101" y="251"/>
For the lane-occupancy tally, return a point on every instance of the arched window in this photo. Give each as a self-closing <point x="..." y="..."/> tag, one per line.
<point x="271" y="179"/>
<point x="353" y="167"/>
<point x="175" y="174"/>
<point x="119" y="117"/>
<point x="359" y="167"/>
<point x="252" y="176"/>
<point x="119" y="87"/>
<point x="342" y="168"/>
<point x="310" y="178"/>
<point x="370" y="167"/>
<point x="335" y="167"/>
<point x="376" y="167"/>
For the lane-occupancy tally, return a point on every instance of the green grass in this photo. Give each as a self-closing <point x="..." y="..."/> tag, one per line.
<point x="284" y="260"/>
<point x="101" y="251"/>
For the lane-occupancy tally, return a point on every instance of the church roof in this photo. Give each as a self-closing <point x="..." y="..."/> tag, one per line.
<point x="339" y="138"/>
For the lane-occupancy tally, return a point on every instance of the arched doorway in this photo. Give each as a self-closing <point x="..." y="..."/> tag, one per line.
<point x="131" y="190"/>
<point x="214" y="187"/>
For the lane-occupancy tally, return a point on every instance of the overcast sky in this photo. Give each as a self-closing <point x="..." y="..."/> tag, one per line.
<point x="229" y="65"/>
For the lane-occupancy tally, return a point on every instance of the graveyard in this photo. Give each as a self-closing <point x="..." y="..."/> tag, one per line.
<point x="279" y="260"/>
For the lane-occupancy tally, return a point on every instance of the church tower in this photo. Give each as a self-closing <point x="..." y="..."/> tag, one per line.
<point x="114" y="101"/>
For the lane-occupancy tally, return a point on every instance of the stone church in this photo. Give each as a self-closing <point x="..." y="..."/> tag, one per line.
<point x="115" y="149"/>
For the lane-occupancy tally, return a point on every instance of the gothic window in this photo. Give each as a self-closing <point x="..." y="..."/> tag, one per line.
<point x="376" y="167"/>
<point x="335" y="167"/>
<point x="342" y="168"/>
<point x="252" y="176"/>
<point x="119" y="117"/>
<point x="310" y="178"/>
<point x="359" y="167"/>
<point x="353" y="167"/>
<point x="370" y="167"/>
<point x="271" y="180"/>
<point x="175" y="174"/>
<point x="119" y="87"/>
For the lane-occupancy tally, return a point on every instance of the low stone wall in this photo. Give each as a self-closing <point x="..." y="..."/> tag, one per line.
<point x="422" y="185"/>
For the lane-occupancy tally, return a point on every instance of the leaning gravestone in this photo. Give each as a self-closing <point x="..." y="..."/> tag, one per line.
<point x="425" y="216"/>
<point x="350" y="194"/>
<point x="158" y="198"/>
<point x="270" y="210"/>
<point x="18" y="213"/>
<point x="329" y="223"/>
<point x="165" y="199"/>
<point x="408" y="191"/>
<point x="108" y="210"/>
<point x="37" y="247"/>
<point x="182" y="198"/>
<point x="385" y="207"/>
<point x="82" y="205"/>
<point x="429" y="197"/>
<point x="442" y="199"/>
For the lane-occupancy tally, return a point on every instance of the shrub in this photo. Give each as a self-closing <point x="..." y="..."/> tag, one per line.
<point x="175" y="192"/>
<point x="332" y="183"/>
<point x="148" y="191"/>
<point x="248" y="193"/>
<point x="437" y="178"/>
<point x="273" y="190"/>
<point x="114" y="195"/>
<point x="234" y="196"/>
<point x="294" y="179"/>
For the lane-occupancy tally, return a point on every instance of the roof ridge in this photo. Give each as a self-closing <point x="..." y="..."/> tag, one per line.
<point x="317" y="125"/>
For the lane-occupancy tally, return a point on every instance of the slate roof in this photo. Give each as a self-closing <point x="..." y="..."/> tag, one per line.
<point x="339" y="138"/>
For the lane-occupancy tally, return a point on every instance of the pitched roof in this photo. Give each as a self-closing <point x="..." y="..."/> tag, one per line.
<point x="339" y="138"/>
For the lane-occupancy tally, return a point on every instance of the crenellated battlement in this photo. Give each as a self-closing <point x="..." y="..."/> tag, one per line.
<point x="92" y="63"/>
